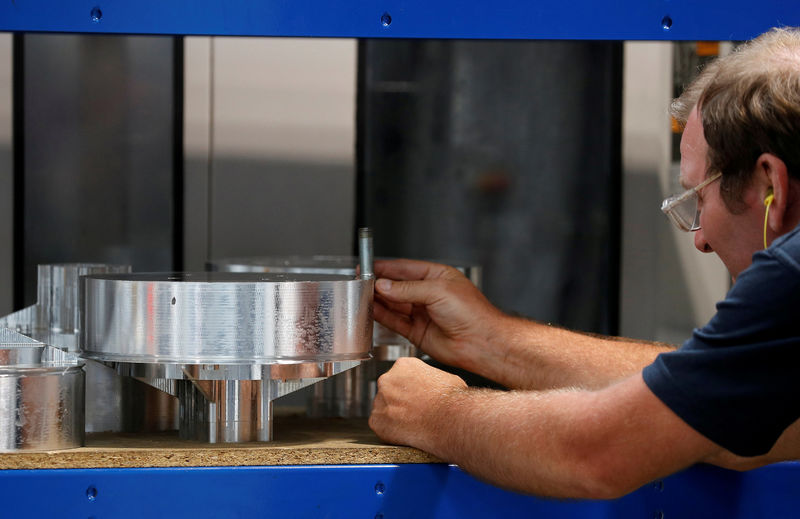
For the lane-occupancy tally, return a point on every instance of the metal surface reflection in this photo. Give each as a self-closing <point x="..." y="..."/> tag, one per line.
<point x="41" y="396"/>
<point x="113" y="403"/>
<point x="350" y="394"/>
<point x="227" y="344"/>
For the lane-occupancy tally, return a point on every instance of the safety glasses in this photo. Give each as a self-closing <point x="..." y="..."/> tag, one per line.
<point x="682" y="209"/>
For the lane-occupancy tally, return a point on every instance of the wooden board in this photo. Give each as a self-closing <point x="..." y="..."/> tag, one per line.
<point x="297" y="441"/>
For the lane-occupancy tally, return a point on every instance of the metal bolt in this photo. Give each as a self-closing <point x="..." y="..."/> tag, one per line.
<point x="96" y="14"/>
<point x="91" y="493"/>
<point x="386" y="19"/>
<point x="658" y="515"/>
<point x="380" y="488"/>
<point x="365" y="252"/>
<point x="666" y="23"/>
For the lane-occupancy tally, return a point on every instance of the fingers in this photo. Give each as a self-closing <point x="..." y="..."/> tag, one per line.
<point x="394" y="306"/>
<point x="403" y="269"/>
<point x="395" y="321"/>
<point x="415" y="292"/>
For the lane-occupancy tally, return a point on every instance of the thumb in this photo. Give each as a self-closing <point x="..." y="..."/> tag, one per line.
<point x="415" y="292"/>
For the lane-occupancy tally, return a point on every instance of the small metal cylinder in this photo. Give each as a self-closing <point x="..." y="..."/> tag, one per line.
<point x="225" y="411"/>
<point x="41" y="396"/>
<point x="365" y="254"/>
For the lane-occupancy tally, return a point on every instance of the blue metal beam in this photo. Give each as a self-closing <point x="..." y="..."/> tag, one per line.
<point x="503" y="19"/>
<point x="375" y="491"/>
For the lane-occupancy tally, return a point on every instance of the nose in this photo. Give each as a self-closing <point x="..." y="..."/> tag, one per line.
<point x="700" y="241"/>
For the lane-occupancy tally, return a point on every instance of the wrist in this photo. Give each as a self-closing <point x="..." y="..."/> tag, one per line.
<point x="441" y="422"/>
<point x="489" y="351"/>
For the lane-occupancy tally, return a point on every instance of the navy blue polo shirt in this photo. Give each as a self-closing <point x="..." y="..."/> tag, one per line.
<point x="737" y="380"/>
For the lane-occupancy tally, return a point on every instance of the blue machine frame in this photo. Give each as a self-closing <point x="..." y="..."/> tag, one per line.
<point x="377" y="491"/>
<point x="500" y="19"/>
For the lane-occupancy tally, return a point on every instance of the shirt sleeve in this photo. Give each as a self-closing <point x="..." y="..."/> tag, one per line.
<point x="737" y="380"/>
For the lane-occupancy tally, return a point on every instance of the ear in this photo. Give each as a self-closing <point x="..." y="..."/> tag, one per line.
<point x="771" y="173"/>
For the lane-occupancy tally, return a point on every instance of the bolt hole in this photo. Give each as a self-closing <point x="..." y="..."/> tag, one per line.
<point x="386" y="19"/>
<point x="666" y="23"/>
<point x="380" y="488"/>
<point x="91" y="493"/>
<point x="174" y="300"/>
<point x="96" y="14"/>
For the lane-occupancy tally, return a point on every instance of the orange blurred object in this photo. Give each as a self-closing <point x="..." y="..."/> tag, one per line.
<point x="707" y="48"/>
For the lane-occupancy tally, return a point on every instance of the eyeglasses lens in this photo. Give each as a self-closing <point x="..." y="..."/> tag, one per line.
<point x="685" y="214"/>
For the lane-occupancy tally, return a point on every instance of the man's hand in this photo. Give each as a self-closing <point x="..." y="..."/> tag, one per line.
<point x="408" y="402"/>
<point x="437" y="309"/>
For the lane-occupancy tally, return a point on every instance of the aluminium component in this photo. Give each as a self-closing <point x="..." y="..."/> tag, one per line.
<point x="350" y="394"/>
<point x="113" y="403"/>
<point x="227" y="344"/>
<point x="41" y="396"/>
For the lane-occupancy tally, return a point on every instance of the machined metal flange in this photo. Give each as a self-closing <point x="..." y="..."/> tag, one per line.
<point x="226" y="318"/>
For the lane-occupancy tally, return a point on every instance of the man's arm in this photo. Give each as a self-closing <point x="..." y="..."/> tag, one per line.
<point x="561" y="443"/>
<point x="533" y="355"/>
<point x="440" y="311"/>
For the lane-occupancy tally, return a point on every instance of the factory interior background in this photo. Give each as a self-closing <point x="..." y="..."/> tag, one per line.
<point x="544" y="163"/>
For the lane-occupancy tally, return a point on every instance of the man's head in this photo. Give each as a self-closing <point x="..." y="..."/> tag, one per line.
<point x="742" y="118"/>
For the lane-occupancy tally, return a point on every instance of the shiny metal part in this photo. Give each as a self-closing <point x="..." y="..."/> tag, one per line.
<point x="387" y="345"/>
<point x="235" y="410"/>
<point x="41" y="395"/>
<point x="349" y="394"/>
<point x="365" y="253"/>
<point x="113" y="403"/>
<point x="55" y="318"/>
<point x="317" y="264"/>
<point x="227" y="344"/>
<point x="280" y="372"/>
<point x="223" y="318"/>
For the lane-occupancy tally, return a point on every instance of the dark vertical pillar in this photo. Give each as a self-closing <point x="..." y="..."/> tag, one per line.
<point x="18" y="154"/>
<point x="504" y="154"/>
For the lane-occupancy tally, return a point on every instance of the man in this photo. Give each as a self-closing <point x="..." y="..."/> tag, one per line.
<point x="593" y="417"/>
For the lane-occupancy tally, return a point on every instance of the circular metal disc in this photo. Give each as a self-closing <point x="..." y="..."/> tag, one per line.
<point x="226" y="318"/>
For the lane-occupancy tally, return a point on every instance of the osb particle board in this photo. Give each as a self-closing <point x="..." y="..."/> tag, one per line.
<point x="297" y="441"/>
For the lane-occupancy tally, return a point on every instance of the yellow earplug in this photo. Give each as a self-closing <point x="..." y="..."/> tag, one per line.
<point x="767" y="202"/>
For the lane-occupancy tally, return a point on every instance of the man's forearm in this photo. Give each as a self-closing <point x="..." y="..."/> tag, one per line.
<point x="525" y="354"/>
<point x="562" y="443"/>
